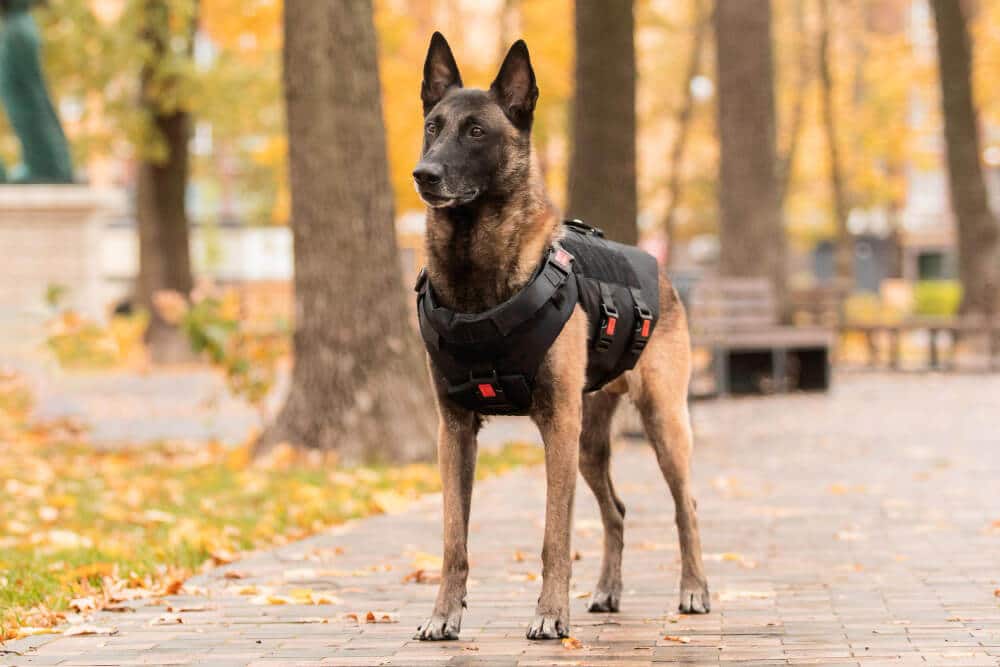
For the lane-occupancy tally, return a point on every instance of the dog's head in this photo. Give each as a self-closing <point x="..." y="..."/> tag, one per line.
<point x="477" y="143"/>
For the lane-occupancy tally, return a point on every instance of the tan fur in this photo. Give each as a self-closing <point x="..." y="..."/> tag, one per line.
<point x="657" y="386"/>
<point x="478" y="257"/>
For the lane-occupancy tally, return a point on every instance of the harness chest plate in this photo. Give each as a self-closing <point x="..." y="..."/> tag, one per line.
<point x="490" y="360"/>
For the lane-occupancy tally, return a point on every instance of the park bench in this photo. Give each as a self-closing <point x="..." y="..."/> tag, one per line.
<point x="736" y="319"/>
<point x="955" y="327"/>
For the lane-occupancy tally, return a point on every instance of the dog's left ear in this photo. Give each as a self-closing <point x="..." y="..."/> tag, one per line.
<point x="514" y="88"/>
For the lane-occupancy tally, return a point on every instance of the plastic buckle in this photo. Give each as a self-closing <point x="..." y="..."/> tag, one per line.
<point x="488" y="388"/>
<point x="609" y="324"/>
<point x="643" y="327"/>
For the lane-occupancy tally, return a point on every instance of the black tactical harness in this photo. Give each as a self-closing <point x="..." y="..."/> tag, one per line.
<point x="490" y="360"/>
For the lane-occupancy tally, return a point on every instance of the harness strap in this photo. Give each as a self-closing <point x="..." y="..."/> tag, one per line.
<point x="609" y="318"/>
<point x="643" y="325"/>
<point x="454" y="327"/>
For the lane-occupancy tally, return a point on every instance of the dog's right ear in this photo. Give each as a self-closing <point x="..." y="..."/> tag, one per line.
<point x="440" y="72"/>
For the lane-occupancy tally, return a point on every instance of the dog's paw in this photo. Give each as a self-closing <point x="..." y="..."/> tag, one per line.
<point x="695" y="598"/>
<point x="439" y="628"/>
<point x="603" y="601"/>
<point x="548" y="626"/>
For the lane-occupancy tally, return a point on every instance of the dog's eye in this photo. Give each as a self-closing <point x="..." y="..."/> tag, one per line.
<point x="431" y="128"/>
<point x="476" y="131"/>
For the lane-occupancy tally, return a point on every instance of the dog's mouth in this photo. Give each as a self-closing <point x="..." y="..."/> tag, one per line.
<point x="435" y="200"/>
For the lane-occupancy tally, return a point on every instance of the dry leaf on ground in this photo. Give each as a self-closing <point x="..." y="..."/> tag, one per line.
<point x="678" y="639"/>
<point x="86" y="629"/>
<point x="423" y="577"/>
<point x="572" y="643"/>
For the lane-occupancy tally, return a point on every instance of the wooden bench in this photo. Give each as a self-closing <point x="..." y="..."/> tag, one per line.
<point x="956" y="327"/>
<point x="737" y="320"/>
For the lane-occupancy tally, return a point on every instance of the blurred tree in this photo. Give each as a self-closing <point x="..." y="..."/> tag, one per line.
<point x="751" y="233"/>
<point x="977" y="227"/>
<point x="168" y="32"/>
<point x="602" y="172"/>
<point x="358" y="381"/>
<point x="844" y="252"/>
<point x="799" y="88"/>
<point x="685" y="115"/>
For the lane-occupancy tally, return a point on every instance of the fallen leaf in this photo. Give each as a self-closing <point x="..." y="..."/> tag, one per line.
<point x="223" y="556"/>
<point x="577" y="555"/>
<point x="166" y="619"/>
<point x="82" y="605"/>
<point x="235" y="574"/>
<point x="996" y="593"/>
<point x="188" y="608"/>
<point x="518" y="557"/>
<point x="29" y="631"/>
<point x="572" y="643"/>
<point x="422" y="576"/>
<point x="172" y="587"/>
<point x="582" y="595"/>
<point x="85" y="629"/>
<point x="678" y="639"/>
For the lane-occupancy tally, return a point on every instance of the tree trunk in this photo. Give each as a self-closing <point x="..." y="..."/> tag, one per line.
<point x="786" y="159"/>
<point x="751" y="232"/>
<point x="684" y="115"/>
<point x="844" y="247"/>
<point x="359" y="379"/>
<point x="602" y="177"/>
<point x="977" y="227"/>
<point x="164" y="255"/>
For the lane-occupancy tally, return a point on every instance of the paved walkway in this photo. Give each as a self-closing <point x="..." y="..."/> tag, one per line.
<point x="862" y="527"/>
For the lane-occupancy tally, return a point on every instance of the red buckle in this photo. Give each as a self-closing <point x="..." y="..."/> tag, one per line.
<point x="487" y="390"/>
<point x="645" y="328"/>
<point x="609" y="326"/>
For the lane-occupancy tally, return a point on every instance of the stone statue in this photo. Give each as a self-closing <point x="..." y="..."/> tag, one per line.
<point x="25" y="98"/>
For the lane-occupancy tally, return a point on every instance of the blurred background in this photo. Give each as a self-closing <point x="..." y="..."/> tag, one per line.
<point x="818" y="173"/>
<point x="192" y="277"/>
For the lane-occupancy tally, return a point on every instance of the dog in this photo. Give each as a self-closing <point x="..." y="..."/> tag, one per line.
<point x="489" y="224"/>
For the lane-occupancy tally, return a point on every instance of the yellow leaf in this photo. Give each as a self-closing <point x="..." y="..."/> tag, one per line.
<point x="572" y="643"/>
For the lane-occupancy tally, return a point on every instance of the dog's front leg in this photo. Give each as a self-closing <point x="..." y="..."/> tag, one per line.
<point x="457" y="461"/>
<point x="560" y="431"/>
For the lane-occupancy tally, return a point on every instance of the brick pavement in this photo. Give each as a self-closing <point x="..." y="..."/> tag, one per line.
<point x="856" y="528"/>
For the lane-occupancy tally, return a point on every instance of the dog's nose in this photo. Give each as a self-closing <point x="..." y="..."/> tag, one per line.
<point x="428" y="173"/>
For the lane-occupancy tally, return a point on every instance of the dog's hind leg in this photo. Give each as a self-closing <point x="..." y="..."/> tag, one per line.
<point x="660" y="394"/>
<point x="595" y="462"/>
<point x="457" y="461"/>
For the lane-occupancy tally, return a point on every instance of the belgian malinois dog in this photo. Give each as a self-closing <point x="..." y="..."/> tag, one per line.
<point x="489" y="223"/>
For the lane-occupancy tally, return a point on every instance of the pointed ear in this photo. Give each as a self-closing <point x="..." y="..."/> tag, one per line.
<point x="440" y="72"/>
<point x="514" y="88"/>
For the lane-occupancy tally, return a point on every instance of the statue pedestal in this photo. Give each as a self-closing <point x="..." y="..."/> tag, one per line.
<point x="50" y="235"/>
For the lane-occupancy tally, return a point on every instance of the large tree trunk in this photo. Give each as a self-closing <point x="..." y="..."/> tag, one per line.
<point x="602" y="178"/>
<point x="164" y="256"/>
<point x="844" y="248"/>
<point x="359" y="380"/>
<point x="977" y="227"/>
<point x="786" y="158"/>
<point x="685" y="114"/>
<point x="751" y="231"/>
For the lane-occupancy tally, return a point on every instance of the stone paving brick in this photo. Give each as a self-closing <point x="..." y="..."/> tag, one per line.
<point x="848" y="529"/>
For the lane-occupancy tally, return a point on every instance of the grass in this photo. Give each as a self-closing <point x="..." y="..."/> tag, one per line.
<point x="77" y="521"/>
